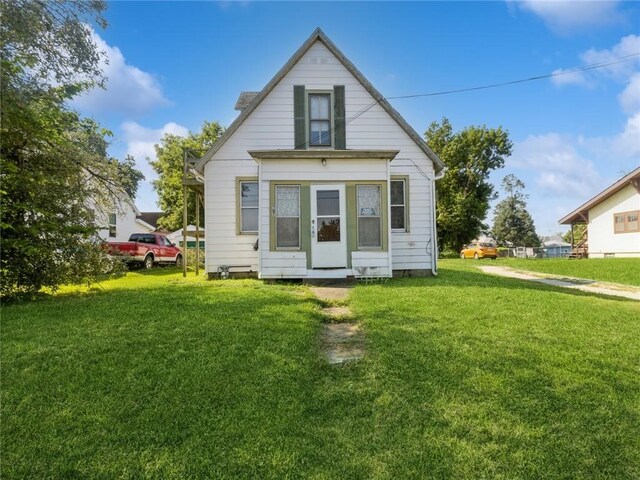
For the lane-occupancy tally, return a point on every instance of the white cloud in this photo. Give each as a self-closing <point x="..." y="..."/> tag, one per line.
<point x="629" y="98"/>
<point x="129" y="90"/>
<point x="626" y="71"/>
<point x="568" y="77"/>
<point x="627" y="46"/>
<point x="141" y="142"/>
<point x="559" y="168"/>
<point x="566" y="16"/>
<point x="627" y="144"/>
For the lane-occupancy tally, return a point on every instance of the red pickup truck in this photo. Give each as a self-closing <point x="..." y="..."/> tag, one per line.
<point x="147" y="249"/>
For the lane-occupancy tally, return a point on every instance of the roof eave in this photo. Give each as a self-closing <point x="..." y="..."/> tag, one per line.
<point x="581" y="214"/>
<point x="318" y="34"/>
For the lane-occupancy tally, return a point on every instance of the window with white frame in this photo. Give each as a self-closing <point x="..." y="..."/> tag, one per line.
<point x="248" y="207"/>
<point x="112" y="225"/>
<point x="287" y="209"/>
<point x="369" y="216"/>
<point x="320" y="119"/>
<point x="399" y="204"/>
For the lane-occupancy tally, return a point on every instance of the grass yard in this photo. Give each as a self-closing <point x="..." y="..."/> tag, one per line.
<point x="466" y="376"/>
<point x="617" y="270"/>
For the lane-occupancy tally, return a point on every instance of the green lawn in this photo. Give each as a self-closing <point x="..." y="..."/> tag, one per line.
<point x="465" y="376"/>
<point x="616" y="270"/>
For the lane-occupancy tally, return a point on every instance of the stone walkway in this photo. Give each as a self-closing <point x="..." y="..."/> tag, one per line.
<point x="589" y="286"/>
<point x="342" y="340"/>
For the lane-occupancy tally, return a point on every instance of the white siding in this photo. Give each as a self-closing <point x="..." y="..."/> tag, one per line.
<point x="223" y="246"/>
<point x="283" y="264"/>
<point x="601" y="237"/>
<point x="270" y="126"/>
<point x="375" y="264"/>
<point x="126" y="223"/>
<point x="413" y="250"/>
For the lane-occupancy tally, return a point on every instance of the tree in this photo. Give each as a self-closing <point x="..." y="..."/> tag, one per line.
<point x="512" y="222"/>
<point x="53" y="163"/>
<point x="169" y="165"/>
<point x="464" y="193"/>
<point x="579" y="232"/>
<point x="128" y="175"/>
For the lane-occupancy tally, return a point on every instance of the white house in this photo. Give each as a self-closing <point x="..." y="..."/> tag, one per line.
<point x="319" y="177"/>
<point x="122" y="220"/>
<point x="612" y="218"/>
<point x="178" y="239"/>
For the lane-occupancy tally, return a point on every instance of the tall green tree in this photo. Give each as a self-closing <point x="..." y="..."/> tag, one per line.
<point x="512" y="222"/>
<point x="53" y="163"/>
<point x="169" y="167"/>
<point x="464" y="193"/>
<point x="129" y="176"/>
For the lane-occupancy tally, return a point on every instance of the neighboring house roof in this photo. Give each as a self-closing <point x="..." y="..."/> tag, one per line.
<point x="581" y="214"/>
<point x="318" y="35"/>
<point x="150" y="218"/>
<point x="245" y="99"/>
<point x="556" y="243"/>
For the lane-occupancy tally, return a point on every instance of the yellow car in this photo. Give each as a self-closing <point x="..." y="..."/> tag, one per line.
<point x="479" y="250"/>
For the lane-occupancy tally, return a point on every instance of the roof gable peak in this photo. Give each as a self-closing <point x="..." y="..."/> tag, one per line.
<point x="319" y="35"/>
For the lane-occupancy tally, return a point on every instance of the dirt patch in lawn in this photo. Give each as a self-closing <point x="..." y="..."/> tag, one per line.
<point x="342" y="342"/>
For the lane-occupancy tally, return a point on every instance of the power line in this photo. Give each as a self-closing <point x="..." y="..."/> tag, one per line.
<point x="569" y="71"/>
<point x="523" y="80"/>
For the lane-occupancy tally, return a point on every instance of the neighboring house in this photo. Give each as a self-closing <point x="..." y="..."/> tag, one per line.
<point x="556" y="248"/>
<point x="177" y="238"/>
<point x="612" y="218"/>
<point x="123" y="220"/>
<point x="319" y="177"/>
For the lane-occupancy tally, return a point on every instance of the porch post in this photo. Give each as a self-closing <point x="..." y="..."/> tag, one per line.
<point x="185" y="201"/>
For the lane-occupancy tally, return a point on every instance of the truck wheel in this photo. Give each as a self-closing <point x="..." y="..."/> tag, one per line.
<point x="179" y="261"/>
<point x="148" y="262"/>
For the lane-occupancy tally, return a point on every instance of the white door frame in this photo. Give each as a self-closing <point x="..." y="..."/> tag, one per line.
<point x="328" y="254"/>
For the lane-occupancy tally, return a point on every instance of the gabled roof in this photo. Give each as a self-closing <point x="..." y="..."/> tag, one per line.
<point x="150" y="218"/>
<point x="318" y="35"/>
<point x="581" y="214"/>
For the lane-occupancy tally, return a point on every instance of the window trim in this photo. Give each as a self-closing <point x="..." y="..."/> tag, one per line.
<point x="275" y="216"/>
<point x="625" y="228"/>
<point x="405" y="180"/>
<point x="379" y="217"/>
<point x="307" y="111"/>
<point x="113" y="225"/>
<point x="239" y="182"/>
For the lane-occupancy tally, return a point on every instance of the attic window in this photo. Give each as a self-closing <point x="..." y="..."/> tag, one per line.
<point x="319" y="119"/>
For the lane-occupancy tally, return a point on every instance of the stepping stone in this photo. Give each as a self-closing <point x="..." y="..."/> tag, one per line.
<point x="331" y="293"/>
<point x="340" y="356"/>
<point x="343" y="343"/>
<point x="336" y="312"/>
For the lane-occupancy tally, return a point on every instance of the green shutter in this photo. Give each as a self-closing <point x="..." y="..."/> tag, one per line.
<point x="339" y="123"/>
<point x="299" y="121"/>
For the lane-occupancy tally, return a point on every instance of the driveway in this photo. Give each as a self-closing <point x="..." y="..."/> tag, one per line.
<point x="589" y="286"/>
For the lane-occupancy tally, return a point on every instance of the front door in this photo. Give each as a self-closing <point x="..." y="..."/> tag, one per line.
<point x="328" y="228"/>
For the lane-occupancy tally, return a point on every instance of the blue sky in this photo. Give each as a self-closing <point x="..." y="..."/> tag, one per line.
<point x="173" y="65"/>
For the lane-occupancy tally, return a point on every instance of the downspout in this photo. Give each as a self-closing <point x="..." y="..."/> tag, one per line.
<point x="260" y="207"/>
<point x="434" y="233"/>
